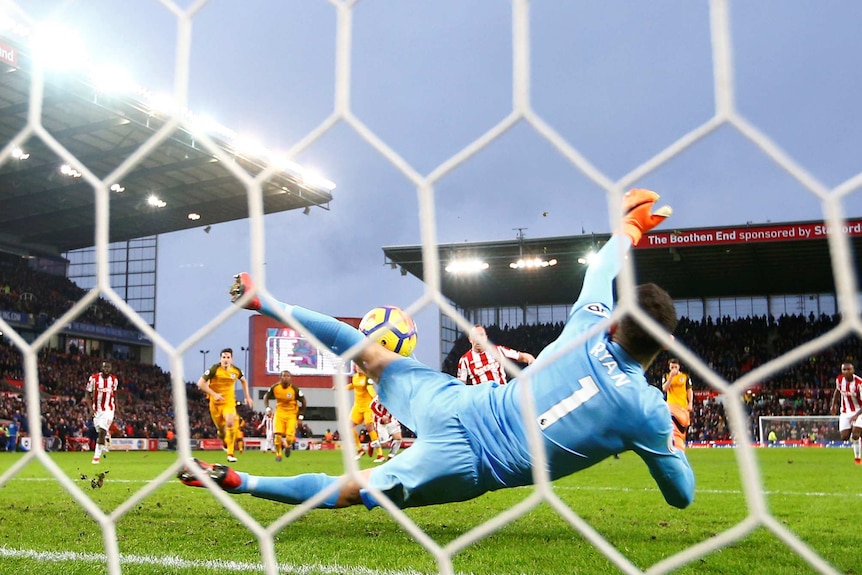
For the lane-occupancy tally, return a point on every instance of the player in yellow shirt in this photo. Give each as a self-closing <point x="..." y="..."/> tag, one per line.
<point x="219" y="383"/>
<point x="289" y="408"/>
<point x="362" y="414"/>
<point x="680" y="396"/>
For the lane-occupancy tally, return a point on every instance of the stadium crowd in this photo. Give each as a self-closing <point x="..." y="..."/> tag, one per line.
<point x="47" y="297"/>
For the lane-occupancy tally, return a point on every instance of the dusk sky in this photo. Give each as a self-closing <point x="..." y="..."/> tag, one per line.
<point x="618" y="80"/>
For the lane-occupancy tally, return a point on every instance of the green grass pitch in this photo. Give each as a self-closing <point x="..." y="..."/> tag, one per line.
<point x="815" y="493"/>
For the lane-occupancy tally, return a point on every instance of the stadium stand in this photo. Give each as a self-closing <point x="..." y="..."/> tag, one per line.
<point x="730" y="346"/>
<point x="48" y="296"/>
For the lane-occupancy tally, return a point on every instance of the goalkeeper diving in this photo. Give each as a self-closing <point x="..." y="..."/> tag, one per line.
<point x="591" y="401"/>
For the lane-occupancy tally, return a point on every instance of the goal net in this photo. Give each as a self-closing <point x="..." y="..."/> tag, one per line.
<point x="679" y="143"/>
<point x="798" y="429"/>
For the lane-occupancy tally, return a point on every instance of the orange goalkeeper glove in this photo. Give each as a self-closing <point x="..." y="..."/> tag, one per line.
<point x="638" y="217"/>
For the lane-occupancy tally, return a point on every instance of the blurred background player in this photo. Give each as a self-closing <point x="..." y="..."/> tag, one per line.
<point x="678" y="389"/>
<point x="848" y="391"/>
<point x="100" y="395"/>
<point x="239" y="434"/>
<point x="289" y="409"/>
<point x="267" y="424"/>
<point x="388" y="428"/>
<point x="481" y="363"/>
<point x="361" y="414"/>
<point x="219" y="383"/>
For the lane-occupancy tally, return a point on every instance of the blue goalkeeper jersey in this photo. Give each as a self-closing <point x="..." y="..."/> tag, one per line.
<point x="591" y="401"/>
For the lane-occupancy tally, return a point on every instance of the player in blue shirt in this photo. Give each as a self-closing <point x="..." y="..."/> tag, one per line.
<point x="591" y="401"/>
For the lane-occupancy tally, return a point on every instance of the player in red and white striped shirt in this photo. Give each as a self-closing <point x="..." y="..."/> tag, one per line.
<point x="482" y="362"/>
<point x="848" y="387"/>
<point x="101" y="396"/>
<point x="388" y="429"/>
<point x="269" y="430"/>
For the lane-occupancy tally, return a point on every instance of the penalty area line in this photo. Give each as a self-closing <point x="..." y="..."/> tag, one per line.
<point x="180" y="563"/>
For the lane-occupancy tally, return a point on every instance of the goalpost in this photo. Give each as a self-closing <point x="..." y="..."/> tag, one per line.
<point x="790" y="428"/>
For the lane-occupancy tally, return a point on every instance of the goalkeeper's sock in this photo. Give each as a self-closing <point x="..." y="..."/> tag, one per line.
<point x="334" y="334"/>
<point x="857" y="447"/>
<point x="293" y="490"/>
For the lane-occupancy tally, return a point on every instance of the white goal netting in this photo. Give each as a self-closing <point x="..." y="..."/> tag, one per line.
<point x="523" y="114"/>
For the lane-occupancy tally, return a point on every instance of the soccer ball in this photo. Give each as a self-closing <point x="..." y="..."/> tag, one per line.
<point x="393" y="328"/>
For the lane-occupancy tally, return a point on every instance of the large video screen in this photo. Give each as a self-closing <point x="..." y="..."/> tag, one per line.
<point x="286" y="349"/>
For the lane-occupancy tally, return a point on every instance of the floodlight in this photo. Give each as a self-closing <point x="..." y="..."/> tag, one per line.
<point x="469" y="266"/>
<point x="312" y="178"/>
<point x="68" y="170"/>
<point x="587" y="259"/>
<point x="532" y="263"/>
<point x="58" y="47"/>
<point x="112" y="78"/>
<point x="249" y="146"/>
<point x="164" y="103"/>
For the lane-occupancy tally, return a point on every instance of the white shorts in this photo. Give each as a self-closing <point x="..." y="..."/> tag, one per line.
<point x="103" y="420"/>
<point x="385" y="432"/>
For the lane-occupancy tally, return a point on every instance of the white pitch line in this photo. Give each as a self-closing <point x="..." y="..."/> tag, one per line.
<point x="557" y="487"/>
<point x="714" y="491"/>
<point x="179" y="563"/>
<point x="107" y="479"/>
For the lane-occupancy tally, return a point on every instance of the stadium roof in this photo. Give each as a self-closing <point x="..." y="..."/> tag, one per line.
<point x="730" y="261"/>
<point x="45" y="211"/>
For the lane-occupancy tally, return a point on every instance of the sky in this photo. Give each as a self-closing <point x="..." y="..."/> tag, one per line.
<point x="618" y="80"/>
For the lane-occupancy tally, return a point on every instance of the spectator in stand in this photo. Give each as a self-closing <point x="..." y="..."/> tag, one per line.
<point x="848" y="392"/>
<point x="679" y="394"/>
<point x="482" y="362"/>
<point x="101" y="396"/>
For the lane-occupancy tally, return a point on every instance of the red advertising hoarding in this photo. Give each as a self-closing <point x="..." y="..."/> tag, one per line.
<point x="746" y="234"/>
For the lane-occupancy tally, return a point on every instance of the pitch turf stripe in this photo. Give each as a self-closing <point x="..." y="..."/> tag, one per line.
<point x="179" y="563"/>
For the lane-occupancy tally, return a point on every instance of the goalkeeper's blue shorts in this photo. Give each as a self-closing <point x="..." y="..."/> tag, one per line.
<point x="448" y="462"/>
